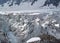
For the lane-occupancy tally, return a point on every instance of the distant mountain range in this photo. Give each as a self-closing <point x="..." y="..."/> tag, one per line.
<point x="17" y="2"/>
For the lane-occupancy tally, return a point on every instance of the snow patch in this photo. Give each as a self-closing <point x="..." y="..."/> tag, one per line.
<point x="34" y="39"/>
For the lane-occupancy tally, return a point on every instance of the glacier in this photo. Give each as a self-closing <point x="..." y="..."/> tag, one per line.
<point x="19" y="27"/>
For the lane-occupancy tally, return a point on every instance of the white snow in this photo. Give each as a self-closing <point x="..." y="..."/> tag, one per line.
<point x="34" y="39"/>
<point x="37" y="19"/>
<point x="53" y="21"/>
<point x="35" y="14"/>
<point x="26" y="21"/>
<point x="45" y="24"/>
<point x="57" y="25"/>
<point x="2" y="13"/>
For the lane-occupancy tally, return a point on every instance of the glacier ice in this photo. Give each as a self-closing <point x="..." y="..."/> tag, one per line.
<point x="20" y="27"/>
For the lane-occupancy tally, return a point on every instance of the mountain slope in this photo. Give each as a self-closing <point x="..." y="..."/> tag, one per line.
<point x="17" y="5"/>
<point x="11" y="2"/>
<point x="47" y="2"/>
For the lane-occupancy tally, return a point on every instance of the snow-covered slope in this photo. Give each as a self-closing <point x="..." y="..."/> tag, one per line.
<point x="16" y="2"/>
<point x="20" y="27"/>
<point x="17" y="5"/>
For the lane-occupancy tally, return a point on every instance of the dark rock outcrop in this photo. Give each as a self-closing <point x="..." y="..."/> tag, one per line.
<point x="49" y="39"/>
<point x="54" y="2"/>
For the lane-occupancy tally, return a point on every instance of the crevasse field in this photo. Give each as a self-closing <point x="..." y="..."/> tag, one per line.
<point x="30" y="26"/>
<point x="29" y="21"/>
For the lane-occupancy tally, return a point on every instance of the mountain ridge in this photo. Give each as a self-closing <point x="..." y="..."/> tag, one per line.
<point x="17" y="2"/>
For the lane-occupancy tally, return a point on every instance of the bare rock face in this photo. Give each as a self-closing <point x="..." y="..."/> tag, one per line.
<point x="54" y="2"/>
<point x="3" y="38"/>
<point x="49" y="39"/>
